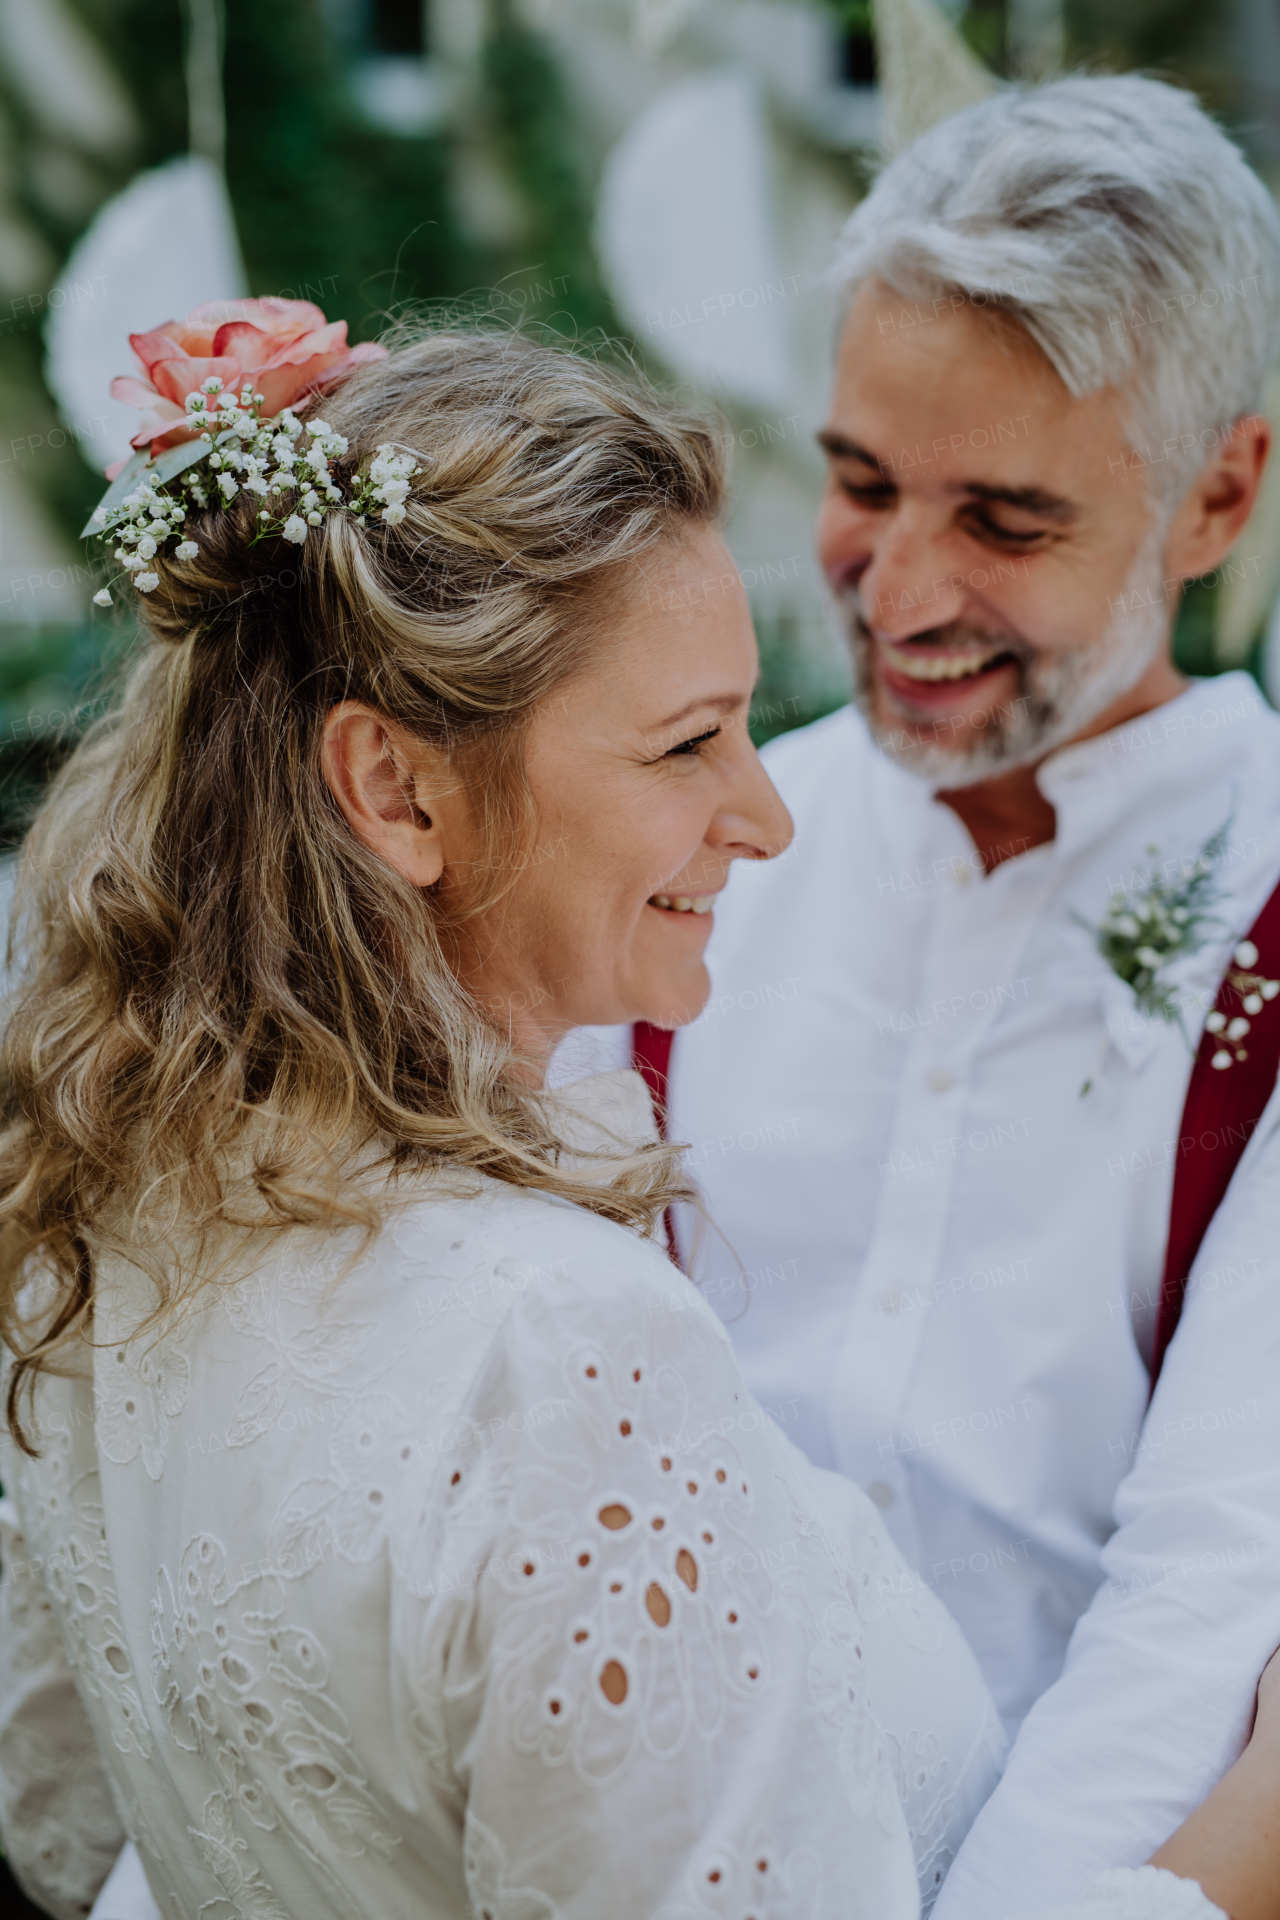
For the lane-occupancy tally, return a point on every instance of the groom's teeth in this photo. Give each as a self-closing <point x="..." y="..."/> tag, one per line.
<point x="941" y="666"/>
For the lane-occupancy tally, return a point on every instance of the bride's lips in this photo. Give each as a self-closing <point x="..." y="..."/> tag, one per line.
<point x="928" y="676"/>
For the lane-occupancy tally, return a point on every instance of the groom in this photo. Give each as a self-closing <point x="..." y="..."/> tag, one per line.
<point x="936" y="1126"/>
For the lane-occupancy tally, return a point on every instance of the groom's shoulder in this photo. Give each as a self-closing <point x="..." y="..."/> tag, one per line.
<point x="810" y="760"/>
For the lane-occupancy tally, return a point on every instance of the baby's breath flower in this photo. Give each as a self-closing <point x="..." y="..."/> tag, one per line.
<point x="102" y="598"/>
<point x="281" y="456"/>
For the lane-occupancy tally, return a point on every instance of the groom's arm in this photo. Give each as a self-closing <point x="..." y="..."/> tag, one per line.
<point x="1155" y="1699"/>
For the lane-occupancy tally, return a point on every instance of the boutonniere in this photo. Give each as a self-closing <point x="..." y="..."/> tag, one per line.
<point x="1142" y="934"/>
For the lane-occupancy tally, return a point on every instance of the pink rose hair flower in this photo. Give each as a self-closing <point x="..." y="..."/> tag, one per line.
<point x="283" y="349"/>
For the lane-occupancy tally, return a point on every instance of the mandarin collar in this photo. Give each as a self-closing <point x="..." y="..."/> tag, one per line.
<point x="1172" y="746"/>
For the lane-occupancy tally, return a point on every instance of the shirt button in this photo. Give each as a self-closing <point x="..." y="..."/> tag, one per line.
<point x="892" y="1300"/>
<point x="941" y="1079"/>
<point x="963" y="875"/>
<point x="881" y="1494"/>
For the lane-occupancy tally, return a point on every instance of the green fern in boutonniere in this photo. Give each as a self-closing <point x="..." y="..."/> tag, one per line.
<point x="1141" y="934"/>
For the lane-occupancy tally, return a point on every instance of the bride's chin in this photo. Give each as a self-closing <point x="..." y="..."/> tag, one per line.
<point x="674" y="1003"/>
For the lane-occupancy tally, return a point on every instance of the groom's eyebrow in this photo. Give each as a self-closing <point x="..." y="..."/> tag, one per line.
<point x="1049" y="506"/>
<point x="842" y="448"/>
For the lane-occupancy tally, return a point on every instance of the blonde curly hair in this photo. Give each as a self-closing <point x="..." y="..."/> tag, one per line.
<point x="227" y="1002"/>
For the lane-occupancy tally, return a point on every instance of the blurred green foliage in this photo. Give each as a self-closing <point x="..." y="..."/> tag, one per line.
<point x="44" y="672"/>
<point x="797" y="684"/>
<point x="533" y="124"/>
<point x="1188" y="40"/>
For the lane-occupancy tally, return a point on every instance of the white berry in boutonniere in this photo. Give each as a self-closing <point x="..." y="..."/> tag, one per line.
<point x="1255" y="991"/>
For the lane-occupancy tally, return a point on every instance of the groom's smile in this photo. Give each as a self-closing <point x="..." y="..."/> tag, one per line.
<point x="924" y="664"/>
<point x="929" y="680"/>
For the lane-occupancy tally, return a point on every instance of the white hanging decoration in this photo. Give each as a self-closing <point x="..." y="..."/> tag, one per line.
<point x="159" y="249"/>
<point x="687" y="240"/>
<point x="926" y="70"/>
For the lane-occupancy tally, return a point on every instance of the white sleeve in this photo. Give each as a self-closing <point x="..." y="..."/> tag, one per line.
<point x="648" y="1697"/>
<point x="61" y="1832"/>
<point x="1156" y="1696"/>
<point x="1138" y="1893"/>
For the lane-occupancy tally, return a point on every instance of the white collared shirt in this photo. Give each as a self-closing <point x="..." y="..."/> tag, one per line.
<point x="952" y="1254"/>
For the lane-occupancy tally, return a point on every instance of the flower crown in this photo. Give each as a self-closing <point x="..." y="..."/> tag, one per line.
<point x="221" y="388"/>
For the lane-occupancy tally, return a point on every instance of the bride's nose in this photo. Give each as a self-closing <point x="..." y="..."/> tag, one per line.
<point x="752" y="823"/>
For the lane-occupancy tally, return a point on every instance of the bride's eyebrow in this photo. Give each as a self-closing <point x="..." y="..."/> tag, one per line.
<point x="721" y="702"/>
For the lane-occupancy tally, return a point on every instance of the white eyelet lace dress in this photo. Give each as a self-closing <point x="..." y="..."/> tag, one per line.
<point x="457" y="1574"/>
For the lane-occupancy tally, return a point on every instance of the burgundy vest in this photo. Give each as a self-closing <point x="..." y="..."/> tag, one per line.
<point x="651" y="1057"/>
<point x="1223" y="1106"/>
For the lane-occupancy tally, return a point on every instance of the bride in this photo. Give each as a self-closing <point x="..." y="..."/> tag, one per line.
<point x="391" y="1530"/>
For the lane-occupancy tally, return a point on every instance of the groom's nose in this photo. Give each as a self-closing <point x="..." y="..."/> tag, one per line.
<point x="911" y="583"/>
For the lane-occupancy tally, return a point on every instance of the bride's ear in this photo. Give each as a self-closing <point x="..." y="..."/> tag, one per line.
<point x="392" y="790"/>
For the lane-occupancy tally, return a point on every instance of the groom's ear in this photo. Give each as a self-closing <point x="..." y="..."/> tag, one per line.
<point x="397" y="795"/>
<point x="1213" y="514"/>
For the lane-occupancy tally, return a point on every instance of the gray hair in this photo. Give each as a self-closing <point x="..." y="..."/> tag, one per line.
<point x="1118" y="226"/>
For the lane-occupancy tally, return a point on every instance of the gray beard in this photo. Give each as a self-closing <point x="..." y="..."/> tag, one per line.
<point x="1059" y="694"/>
